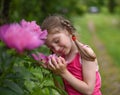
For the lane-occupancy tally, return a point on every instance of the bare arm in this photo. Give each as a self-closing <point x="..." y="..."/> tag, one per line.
<point x="89" y="75"/>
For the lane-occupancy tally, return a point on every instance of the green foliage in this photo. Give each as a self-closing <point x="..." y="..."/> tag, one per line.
<point x="19" y="74"/>
<point x="94" y="2"/>
<point x="25" y="9"/>
<point x="10" y="79"/>
<point x="110" y="27"/>
<point x="38" y="9"/>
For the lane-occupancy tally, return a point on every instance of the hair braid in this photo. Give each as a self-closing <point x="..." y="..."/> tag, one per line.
<point x="84" y="52"/>
<point x="68" y="25"/>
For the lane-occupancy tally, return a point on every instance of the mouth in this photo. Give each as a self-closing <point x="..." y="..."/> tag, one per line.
<point x="61" y="51"/>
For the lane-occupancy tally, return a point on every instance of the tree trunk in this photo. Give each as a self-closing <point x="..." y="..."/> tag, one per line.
<point x="111" y="6"/>
<point x="4" y="13"/>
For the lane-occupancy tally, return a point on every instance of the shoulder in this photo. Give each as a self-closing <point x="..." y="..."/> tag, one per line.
<point x="89" y="51"/>
<point x="86" y="51"/>
<point x="87" y="48"/>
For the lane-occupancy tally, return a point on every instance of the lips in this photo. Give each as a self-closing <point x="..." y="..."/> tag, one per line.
<point x="61" y="51"/>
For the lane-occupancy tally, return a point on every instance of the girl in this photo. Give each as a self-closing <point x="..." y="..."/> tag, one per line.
<point x="77" y="64"/>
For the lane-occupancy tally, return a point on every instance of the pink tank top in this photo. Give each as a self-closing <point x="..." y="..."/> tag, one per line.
<point x="75" y="67"/>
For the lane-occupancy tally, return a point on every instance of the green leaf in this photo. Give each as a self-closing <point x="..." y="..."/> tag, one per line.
<point x="14" y="87"/>
<point x="61" y="91"/>
<point x="6" y="91"/>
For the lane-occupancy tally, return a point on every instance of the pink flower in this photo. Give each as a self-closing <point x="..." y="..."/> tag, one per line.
<point x="3" y="30"/>
<point x="23" y="36"/>
<point x="42" y="57"/>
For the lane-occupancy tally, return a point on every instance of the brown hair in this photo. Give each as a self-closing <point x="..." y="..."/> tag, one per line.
<point x="58" y="21"/>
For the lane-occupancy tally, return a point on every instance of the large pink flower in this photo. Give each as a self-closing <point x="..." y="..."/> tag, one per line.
<point x="23" y="36"/>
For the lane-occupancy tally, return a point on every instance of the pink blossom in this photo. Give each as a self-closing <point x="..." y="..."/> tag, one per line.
<point x="23" y="36"/>
<point x="3" y="30"/>
<point x="42" y="57"/>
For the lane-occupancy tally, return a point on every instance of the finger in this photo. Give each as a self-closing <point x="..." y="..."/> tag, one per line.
<point x="62" y="60"/>
<point x="59" y="62"/>
<point x="51" y="65"/>
<point x="44" y="66"/>
<point x="54" y="62"/>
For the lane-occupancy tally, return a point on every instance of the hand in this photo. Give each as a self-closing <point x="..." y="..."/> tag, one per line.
<point x="57" y="65"/>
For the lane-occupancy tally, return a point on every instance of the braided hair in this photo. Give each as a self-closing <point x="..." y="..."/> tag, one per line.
<point x="54" y="21"/>
<point x="58" y="21"/>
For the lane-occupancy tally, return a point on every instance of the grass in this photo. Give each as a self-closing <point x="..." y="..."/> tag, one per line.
<point x="107" y="28"/>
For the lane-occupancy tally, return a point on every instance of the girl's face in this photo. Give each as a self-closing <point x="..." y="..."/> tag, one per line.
<point x="59" y="41"/>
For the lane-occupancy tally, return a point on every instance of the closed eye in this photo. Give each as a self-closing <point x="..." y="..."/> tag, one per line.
<point x="56" y="41"/>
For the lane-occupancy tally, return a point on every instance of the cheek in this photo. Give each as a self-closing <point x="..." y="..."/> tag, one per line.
<point x="67" y="43"/>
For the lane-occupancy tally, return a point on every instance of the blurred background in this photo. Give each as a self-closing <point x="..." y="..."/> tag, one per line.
<point x="97" y="23"/>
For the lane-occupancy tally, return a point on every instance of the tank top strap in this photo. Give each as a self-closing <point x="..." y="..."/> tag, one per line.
<point x="79" y="57"/>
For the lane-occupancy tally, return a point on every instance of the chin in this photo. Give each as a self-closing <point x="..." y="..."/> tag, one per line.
<point x="65" y="53"/>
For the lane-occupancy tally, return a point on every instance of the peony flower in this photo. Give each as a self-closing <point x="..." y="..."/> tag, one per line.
<point x="23" y="36"/>
<point x="3" y="30"/>
<point x="42" y="57"/>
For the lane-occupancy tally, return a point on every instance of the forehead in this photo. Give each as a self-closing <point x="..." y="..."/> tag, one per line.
<point x="55" y="33"/>
<point x="51" y="37"/>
